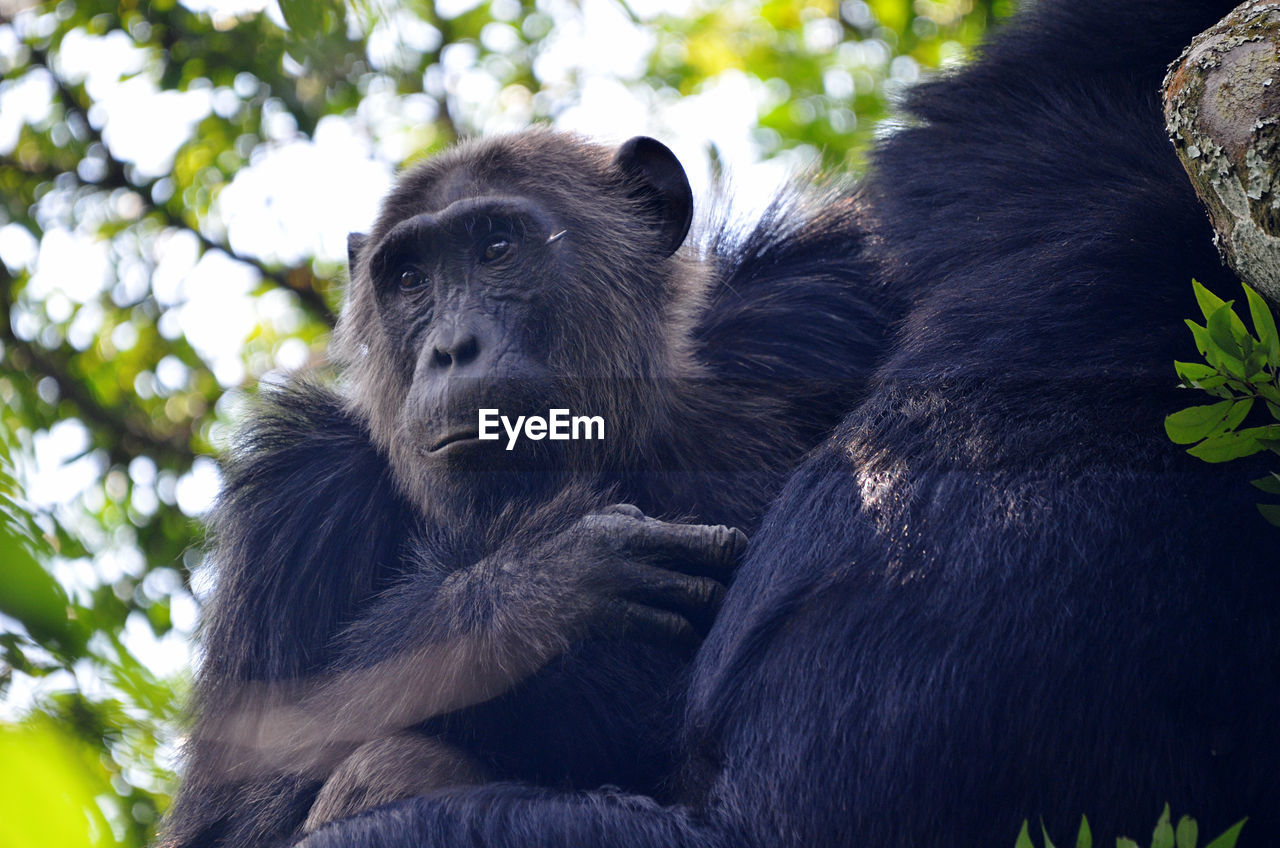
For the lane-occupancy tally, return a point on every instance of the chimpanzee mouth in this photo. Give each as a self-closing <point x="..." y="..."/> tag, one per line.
<point x="456" y="437"/>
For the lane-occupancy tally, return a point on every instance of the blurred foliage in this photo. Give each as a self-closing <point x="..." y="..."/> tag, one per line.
<point x="47" y="790"/>
<point x="102" y="727"/>
<point x="829" y="72"/>
<point x="113" y="387"/>
<point x="1243" y="369"/>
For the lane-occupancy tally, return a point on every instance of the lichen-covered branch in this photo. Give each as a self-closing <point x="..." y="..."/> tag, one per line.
<point x="1222" y="109"/>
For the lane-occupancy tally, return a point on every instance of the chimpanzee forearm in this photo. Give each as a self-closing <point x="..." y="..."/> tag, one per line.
<point x="441" y="642"/>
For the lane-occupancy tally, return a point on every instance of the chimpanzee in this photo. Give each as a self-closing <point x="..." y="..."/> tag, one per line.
<point x="997" y="592"/>
<point x="401" y="604"/>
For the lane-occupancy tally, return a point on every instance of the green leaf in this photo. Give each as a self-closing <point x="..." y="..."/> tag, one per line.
<point x="1199" y="376"/>
<point x="1253" y="365"/>
<point x="1228" y="839"/>
<point x="304" y="17"/>
<point x="1162" y="837"/>
<point x="310" y="18"/>
<point x="1226" y="447"/>
<point x="1213" y="353"/>
<point x="47" y="789"/>
<point x="1209" y="302"/>
<point x="1271" y="512"/>
<point x="1024" y="838"/>
<point x="1048" y="843"/>
<point x="1123" y="842"/>
<point x="29" y="594"/>
<point x="1228" y="333"/>
<point x="1239" y="412"/>
<point x="1187" y="833"/>
<point x="1201" y="335"/>
<point x="1269" y="484"/>
<point x="1224" y="361"/>
<point x="1264" y="324"/>
<point x="1265" y="433"/>
<point x="1084" y="839"/>
<point x="1216" y="387"/>
<point x="1196" y="422"/>
<point x="1193" y="372"/>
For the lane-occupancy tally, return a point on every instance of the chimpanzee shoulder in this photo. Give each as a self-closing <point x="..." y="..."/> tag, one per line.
<point x="797" y="301"/>
<point x="307" y="499"/>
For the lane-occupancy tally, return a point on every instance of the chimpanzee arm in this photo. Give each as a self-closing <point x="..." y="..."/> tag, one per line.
<point x="441" y="641"/>
<point x="307" y="529"/>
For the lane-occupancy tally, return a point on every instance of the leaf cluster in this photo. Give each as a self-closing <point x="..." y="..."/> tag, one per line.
<point x="1166" y="835"/>
<point x="1241" y="368"/>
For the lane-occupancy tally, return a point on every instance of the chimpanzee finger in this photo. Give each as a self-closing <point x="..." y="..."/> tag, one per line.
<point x="696" y="599"/>
<point x="657" y="625"/>
<point x="629" y="510"/>
<point x="700" y="549"/>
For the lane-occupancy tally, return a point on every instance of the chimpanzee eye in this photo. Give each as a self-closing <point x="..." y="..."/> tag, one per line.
<point x="411" y="278"/>
<point x="496" y="248"/>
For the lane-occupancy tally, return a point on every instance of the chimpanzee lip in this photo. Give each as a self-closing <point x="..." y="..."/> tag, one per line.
<point x="453" y="437"/>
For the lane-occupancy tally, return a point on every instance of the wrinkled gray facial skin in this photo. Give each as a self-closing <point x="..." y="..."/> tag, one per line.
<point x="520" y="274"/>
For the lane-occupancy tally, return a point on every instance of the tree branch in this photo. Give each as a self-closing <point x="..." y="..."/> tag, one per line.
<point x="298" y="280"/>
<point x="1222" y="109"/>
<point x="131" y="435"/>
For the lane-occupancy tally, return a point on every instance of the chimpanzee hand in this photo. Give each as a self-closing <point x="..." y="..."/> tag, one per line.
<point x="634" y="576"/>
<point x="399" y="766"/>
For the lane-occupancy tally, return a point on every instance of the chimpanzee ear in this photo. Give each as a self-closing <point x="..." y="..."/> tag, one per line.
<point x="355" y="244"/>
<point x="661" y="185"/>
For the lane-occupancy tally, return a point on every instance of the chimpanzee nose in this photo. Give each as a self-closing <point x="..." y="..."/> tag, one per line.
<point x="458" y="348"/>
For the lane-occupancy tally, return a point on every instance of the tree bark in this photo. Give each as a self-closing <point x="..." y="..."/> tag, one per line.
<point x="1222" y="110"/>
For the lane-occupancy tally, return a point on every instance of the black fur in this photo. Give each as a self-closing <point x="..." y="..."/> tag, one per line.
<point x="324" y="563"/>
<point x="998" y="592"/>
